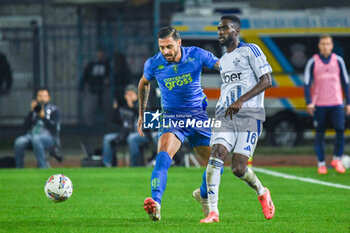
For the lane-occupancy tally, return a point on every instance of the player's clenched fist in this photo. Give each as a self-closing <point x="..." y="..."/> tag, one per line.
<point x="139" y="126"/>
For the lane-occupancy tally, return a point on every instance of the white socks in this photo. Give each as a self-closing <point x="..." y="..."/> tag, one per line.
<point x="213" y="182"/>
<point x="322" y="164"/>
<point x="252" y="180"/>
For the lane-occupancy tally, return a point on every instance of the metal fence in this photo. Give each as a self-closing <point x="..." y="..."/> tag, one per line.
<point x="54" y="56"/>
<point x="18" y="46"/>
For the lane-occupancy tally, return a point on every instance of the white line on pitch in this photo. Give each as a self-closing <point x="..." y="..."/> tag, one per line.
<point x="291" y="177"/>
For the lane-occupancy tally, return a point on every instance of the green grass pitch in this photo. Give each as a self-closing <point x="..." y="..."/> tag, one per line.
<point x="111" y="200"/>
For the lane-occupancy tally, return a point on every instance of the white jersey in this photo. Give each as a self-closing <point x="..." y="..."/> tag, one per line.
<point x="240" y="71"/>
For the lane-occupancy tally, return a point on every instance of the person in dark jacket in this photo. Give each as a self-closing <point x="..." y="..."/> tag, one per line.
<point x="5" y="75"/>
<point x="96" y="77"/>
<point x="43" y="125"/>
<point x="122" y="77"/>
<point x="125" y="116"/>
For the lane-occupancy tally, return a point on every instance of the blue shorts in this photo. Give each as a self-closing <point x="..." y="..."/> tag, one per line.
<point x="197" y="136"/>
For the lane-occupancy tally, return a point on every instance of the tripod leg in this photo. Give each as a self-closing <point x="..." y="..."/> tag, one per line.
<point x="194" y="161"/>
<point x="187" y="160"/>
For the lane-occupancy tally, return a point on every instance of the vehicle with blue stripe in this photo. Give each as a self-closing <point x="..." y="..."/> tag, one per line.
<point x="288" y="38"/>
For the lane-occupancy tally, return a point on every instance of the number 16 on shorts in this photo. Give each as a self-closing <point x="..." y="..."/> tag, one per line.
<point x="248" y="144"/>
<point x="248" y="140"/>
<point x="251" y="138"/>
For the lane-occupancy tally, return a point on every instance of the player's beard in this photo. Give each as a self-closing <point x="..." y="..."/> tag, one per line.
<point x="228" y="41"/>
<point x="171" y="57"/>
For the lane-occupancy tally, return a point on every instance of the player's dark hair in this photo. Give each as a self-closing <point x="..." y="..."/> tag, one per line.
<point x="168" y="31"/>
<point x="324" y="36"/>
<point x="233" y="18"/>
<point x="42" y="89"/>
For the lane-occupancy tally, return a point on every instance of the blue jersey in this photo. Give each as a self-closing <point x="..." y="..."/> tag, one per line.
<point x="180" y="83"/>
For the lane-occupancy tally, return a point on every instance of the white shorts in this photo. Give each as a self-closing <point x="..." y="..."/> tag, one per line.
<point x="239" y="135"/>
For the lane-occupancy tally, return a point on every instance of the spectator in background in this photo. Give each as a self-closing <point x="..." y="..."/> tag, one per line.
<point x="43" y="125"/>
<point x="326" y="75"/>
<point x="126" y="116"/>
<point x="96" y="76"/>
<point x="122" y="76"/>
<point x="5" y="75"/>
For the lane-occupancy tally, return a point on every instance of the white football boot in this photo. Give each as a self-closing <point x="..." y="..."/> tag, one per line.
<point x="203" y="201"/>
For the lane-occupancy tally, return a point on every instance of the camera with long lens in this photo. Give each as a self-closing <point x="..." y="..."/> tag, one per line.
<point x="38" y="107"/>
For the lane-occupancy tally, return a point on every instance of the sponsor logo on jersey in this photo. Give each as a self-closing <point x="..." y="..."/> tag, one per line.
<point x="179" y="81"/>
<point x="231" y="77"/>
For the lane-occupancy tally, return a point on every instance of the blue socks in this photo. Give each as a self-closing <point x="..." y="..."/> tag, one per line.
<point x="203" y="188"/>
<point x="159" y="175"/>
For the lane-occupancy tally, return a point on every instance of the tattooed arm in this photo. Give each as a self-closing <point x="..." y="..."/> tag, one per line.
<point x="144" y="88"/>
<point x="217" y="66"/>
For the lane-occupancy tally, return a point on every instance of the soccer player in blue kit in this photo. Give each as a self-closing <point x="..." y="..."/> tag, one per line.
<point x="177" y="70"/>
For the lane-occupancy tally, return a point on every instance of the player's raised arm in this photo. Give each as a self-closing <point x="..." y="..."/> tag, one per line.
<point x="265" y="82"/>
<point x="143" y="93"/>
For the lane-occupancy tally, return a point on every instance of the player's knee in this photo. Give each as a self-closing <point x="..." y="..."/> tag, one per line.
<point x="239" y="170"/>
<point x="106" y="139"/>
<point x="36" y="138"/>
<point x="319" y="137"/>
<point x="130" y="139"/>
<point x="219" y="152"/>
<point x="19" y="142"/>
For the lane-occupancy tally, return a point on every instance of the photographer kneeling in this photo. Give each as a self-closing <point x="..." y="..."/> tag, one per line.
<point x="42" y="122"/>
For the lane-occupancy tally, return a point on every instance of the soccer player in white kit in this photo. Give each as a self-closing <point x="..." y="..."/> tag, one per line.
<point x="245" y="73"/>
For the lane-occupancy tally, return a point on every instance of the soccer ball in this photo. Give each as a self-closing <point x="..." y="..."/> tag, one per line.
<point x="58" y="188"/>
<point x="345" y="160"/>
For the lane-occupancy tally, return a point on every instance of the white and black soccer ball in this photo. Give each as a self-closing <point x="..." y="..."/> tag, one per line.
<point x="345" y="160"/>
<point x="58" y="188"/>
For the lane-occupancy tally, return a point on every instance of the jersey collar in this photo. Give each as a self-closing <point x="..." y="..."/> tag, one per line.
<point x="325" y="60"/>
